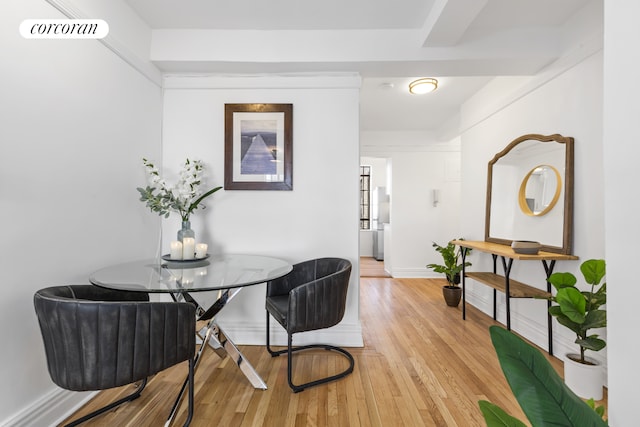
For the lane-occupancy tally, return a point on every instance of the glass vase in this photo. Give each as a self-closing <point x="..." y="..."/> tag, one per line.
<point x="186" y="231"/>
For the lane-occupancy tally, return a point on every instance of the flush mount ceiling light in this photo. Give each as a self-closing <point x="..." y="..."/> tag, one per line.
<point x="421" y="86"/>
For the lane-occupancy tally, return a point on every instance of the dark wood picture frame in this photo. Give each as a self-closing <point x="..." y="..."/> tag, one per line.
<point x="258" y="146"/>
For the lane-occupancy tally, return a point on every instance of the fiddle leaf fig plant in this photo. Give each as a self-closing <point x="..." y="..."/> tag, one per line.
<point x="452" y="266"/>
<point x="581" y="311"/>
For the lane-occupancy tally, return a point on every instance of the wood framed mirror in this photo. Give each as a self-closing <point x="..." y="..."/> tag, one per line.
<point x="530" y="193"/>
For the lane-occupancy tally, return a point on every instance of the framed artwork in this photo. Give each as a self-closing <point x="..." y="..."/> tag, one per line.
<point x="258" y="146"/>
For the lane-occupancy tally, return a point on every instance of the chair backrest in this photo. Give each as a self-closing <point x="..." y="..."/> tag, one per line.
<point x="327" y="266"/>
<point x="320" y="302"/>
<point x="95" y="338"/>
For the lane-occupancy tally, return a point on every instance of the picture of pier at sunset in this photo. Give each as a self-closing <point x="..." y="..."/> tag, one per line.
<point x="259" y="151"/>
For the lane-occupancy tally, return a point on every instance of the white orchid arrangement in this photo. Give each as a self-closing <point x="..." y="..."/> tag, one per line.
<point x="183" y="198"/>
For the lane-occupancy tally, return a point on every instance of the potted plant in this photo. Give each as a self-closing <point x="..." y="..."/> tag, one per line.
<point x="581" y="311"/>
<point x="541" y="393"/>
<point x="451" y="268"/>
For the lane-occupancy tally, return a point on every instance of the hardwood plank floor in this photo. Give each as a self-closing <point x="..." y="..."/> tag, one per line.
<point x="370" y="267"/>
<point x="421" y="365"/>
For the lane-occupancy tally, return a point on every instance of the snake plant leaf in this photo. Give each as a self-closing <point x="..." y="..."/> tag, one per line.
<point x="541" y="393"/>
<point x="495" y="416"/>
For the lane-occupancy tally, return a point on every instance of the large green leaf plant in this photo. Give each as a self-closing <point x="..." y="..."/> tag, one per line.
<point x="541" y="393"/>
<point x="581" y="311"/>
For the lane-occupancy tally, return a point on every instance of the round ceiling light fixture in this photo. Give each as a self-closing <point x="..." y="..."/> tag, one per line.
<point x="425" y="85"/>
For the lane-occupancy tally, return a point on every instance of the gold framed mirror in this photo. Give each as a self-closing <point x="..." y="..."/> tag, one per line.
<point x="540" y="190"/>
<point x="509" y="215"/>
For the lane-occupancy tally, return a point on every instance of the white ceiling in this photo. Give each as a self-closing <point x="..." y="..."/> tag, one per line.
<point x="463" y="43"/>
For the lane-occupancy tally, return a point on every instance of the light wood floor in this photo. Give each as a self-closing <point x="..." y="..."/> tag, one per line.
<point x="370" y="267"/>
<point x="422" y="365"/>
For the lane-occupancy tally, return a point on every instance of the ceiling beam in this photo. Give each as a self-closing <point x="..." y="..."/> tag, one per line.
<point x="448" y="20"/>
<point x="372" y="52"/>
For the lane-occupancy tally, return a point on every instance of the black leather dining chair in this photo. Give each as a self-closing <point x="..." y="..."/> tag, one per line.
<point x="312" y="296"/>
<point x="96" y="339"/>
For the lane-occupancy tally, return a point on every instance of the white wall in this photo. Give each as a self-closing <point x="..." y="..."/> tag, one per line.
<point x="75" y="122"/>
<point x="621" y="153"/>
<point x="567" y="101"/>
<point x="418" y="166"/>
<point x="318" y="218"/>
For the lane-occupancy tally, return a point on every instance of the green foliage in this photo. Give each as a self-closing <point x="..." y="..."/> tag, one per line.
<point x="451" y="258"/>
<point x="156" y="202"/>
<point x="184" y="197"/>
<point x="496" y="417"/>
<point x="541" y="393"/>
<point x="580" y="310"/>
<point x="599" y="409"/>
<point x="164" y="202"/>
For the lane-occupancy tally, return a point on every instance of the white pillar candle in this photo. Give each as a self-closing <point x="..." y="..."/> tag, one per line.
<point x="201" y="250"/>
<point x="176" y="250"/>
<point x="188" y="247"/>
<point x="188" y="277"/>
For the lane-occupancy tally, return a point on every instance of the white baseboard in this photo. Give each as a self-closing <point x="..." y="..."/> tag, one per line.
<point x="413" y="273"/>
<point x="50" y="409"/>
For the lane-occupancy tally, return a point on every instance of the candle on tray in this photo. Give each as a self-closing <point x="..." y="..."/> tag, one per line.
<point x="188" y="247"/>
<point x="188" y="277"/>
<point x="176" y="250"/>
<point x="201" y="250"/>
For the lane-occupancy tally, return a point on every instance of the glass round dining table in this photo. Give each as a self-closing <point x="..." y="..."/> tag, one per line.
<point x="210" y="274"/>
<point x="220" y="277"/>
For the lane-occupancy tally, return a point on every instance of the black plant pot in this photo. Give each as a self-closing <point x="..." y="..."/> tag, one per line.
<point x="452" y="295"/>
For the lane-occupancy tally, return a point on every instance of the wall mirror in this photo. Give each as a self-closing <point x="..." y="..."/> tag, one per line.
<point x="540" y="190"/>
<point x="530" y="193"/>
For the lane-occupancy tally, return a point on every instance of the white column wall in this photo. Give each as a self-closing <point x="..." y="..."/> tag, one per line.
<point x="75" y="120"/>
<point x="318" y="218"/>
<point x="621" y="153"/>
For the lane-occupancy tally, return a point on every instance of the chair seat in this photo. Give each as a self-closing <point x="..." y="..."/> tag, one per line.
<point x="278" y="307"/>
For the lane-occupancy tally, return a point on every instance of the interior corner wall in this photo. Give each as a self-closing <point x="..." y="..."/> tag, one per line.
<point x="569" y="104"/>
<point x="318" y="218"/>
<point x="76" y="121"/>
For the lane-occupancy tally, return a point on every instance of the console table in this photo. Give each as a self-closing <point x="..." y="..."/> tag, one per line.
<point x="503" y="283"/>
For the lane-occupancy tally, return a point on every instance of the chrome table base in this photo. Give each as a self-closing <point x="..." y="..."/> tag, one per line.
<point x="213" y="336"/>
